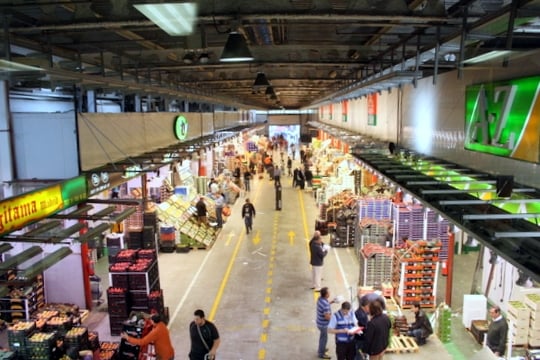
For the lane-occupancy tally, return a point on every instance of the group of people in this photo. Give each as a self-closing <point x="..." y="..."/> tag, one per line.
<point x="364" y="331"/>
<point x="203" y="334"/>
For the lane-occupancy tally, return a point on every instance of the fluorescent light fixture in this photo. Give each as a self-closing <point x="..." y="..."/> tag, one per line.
<point x="11" y="66"/>
<point x="174" y="19"/>
<point x="491" y="55"/>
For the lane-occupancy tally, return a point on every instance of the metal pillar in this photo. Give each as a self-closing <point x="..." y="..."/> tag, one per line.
<point x="7" y="162"/>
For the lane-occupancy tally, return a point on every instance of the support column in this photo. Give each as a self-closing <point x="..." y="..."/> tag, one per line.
<point x="91" y="101"/>
<point x="138" y="103"/>
<point x="7" y="160"/>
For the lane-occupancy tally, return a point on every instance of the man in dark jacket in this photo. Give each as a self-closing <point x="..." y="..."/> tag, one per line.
<point x="201" y="211"/>
<point x="497" y="332"/>
<point x="317" y="253"/>
<point x="377" y="332"/>
<point x="362" y="317"/>
<point x="421" y="327"/>
<point x="248" y="213"/>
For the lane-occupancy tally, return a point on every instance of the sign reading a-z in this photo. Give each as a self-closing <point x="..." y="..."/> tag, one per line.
<point x="503" y="118"/>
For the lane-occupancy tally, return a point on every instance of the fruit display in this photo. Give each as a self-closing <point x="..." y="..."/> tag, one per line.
<point x="40" y="337"/>
<point x="23" y="326"/>
<point x="108" y="350"/>
<point x="59" y="323"/>
<point x="119" y="267"/>
<point x="40" y="345"/>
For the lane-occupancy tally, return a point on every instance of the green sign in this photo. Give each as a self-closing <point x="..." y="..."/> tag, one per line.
<point x="180" y="127"/>
<point x="503" y="118"/>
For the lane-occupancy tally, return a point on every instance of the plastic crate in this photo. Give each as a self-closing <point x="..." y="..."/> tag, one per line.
<point x="77" y="337"/>
<point x="40" y="345"/>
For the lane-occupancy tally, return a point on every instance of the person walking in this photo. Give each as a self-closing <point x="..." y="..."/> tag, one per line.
<point x="344" y="325"/>
<point x="317" y="252"/>
<point x="377" y="332"/>
<point x="247" y="180"/>
<point x="324" y="313"/>
<point x="277" y="176"/>
<point x="289" y="166"/>
<point x="248" y="213"/>
<point x="201" y="211"/>
<point x="204" y="337"/>
<point x="497" y="332"/>
<point x="421" y="328"/>
<point x="159" y="335"/>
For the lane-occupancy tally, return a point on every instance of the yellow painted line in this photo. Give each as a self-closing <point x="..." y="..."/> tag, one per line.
<point x="270" y="272"/>
<point x="265" y="323"/>
<point x="269" y="281"/>
<point x="262" y="354"/>
<point x="227" y="274"/>
<point x="271" y="266"/>
<point x="266" y="311"/>
<point x="264" y="337"/>
<point x="267" y="299"/>
<point x="268" y="290"/>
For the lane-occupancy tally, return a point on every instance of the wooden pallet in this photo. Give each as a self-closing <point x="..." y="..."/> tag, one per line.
<point x="402" y="344"/>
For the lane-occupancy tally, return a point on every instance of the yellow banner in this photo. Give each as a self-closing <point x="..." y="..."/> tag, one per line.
<point x="17" y="212"/>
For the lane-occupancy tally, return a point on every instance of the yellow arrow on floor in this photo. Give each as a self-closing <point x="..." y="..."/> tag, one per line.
<point x="291" y="237"/>
<point x="257" y="238"/>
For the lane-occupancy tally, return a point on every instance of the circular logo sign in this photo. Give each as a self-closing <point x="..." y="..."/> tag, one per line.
<point x="180" y="127"/>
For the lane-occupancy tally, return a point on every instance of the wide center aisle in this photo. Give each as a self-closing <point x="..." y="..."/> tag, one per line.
<point x="256" y="287"/>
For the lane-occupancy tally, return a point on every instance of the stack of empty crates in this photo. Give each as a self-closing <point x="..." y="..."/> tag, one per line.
<point x="518" y="316"/>
<point x="533" y="303"/>
<point x="375" y="265"/>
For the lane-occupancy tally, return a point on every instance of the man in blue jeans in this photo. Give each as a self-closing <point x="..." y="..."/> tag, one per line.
<point x="324" y="313"/>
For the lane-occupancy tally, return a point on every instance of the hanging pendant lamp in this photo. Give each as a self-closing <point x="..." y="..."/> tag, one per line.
<point x="260" y="81"/>
<point x="236" y="49"/>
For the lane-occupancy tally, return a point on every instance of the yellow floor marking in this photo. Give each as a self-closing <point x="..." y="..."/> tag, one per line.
<point x="227" y="274"/>
<point x="265" y="323"/>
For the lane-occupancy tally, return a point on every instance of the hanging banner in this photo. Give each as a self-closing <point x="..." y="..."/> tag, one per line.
<point x="372" y="109"/>
<point x="19" y="211"/>
<point x="503" y="118"/>
<point x="344" y="110"/>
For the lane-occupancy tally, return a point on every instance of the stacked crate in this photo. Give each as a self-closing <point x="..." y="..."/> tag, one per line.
<point x="444" y="331"/>
<point x="533" y="303"/>
<point x="77" y="338"/>
<point x="375" y="265"/>
<point x="118" y="307"/>
<point x="40" y="345"/>
<point x="17" y="338"/>
<point x="134" y="283"/>
<point x="374" y="208"/>
<point x="416" y="231"/>
<point x="518" y="315"/>
<point x="415" y="272"/>
<point x="402" y="224"/>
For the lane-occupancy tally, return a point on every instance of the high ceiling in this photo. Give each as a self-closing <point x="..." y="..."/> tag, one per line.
<point x="309" y="50"/>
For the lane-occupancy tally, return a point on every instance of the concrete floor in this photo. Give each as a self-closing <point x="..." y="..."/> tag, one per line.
<point x="256" y="287"/>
